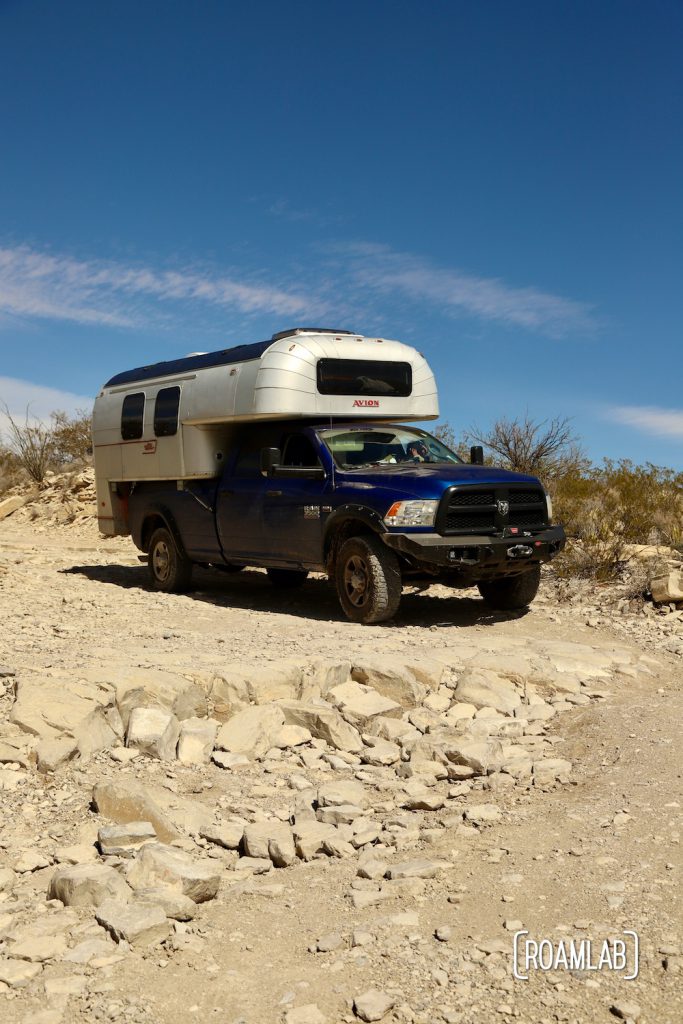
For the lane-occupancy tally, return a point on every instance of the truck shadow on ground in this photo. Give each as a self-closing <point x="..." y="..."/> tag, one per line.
<point x="250" y="590"/>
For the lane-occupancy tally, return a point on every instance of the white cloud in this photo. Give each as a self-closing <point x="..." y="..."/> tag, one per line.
<point x="378" y="268"/>
<point x="26" y="399"/>
<point x="650" y="419"/>
<point x="23" y="398"/>
<point x="45" y="286"/>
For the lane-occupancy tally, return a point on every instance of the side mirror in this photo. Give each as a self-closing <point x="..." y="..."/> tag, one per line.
<point x="477" y="455"/>
<point x="270" y="458"/>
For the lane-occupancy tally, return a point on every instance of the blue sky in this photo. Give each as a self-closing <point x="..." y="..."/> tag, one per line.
<point x="498" y="184"/>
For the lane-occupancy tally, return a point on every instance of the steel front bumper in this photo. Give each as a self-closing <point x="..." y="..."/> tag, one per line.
<point x="477" y="555"/>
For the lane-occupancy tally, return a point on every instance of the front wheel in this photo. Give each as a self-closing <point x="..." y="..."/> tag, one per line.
<point x="511" y="592"/>
<point x="169" y="568"/>
<point x="368" y="579"/>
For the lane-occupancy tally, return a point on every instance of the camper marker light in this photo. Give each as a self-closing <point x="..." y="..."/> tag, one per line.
<point x="412" y="513"/>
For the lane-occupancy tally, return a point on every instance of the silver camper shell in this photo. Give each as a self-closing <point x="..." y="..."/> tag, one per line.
<point x="174" y="420"/>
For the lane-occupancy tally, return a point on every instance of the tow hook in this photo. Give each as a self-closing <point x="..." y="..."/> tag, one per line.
<point x="520" y="551"/>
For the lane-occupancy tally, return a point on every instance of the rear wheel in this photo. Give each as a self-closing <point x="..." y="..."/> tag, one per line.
<point x="169" y="569"/>
<point x="511" y="592"/>
<point x="368" y="579"/>
<point x="287" y="578"/>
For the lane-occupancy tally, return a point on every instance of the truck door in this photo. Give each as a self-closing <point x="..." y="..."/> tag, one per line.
<point x="239" y="504"/>
<point x="293" y="509"/>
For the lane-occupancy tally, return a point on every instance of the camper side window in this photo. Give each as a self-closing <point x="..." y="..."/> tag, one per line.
<point x="166" y="412"/>
<point x="132" y="414"/>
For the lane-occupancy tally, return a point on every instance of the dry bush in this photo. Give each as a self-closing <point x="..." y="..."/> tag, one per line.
<point x="72" y="437"/>
<point x="614" y="505"/>
<point x="547" y="448"/>
<point x="31" y="443"/>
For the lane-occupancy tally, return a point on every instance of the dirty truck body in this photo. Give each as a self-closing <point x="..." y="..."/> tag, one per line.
<point x="297" y="455"/>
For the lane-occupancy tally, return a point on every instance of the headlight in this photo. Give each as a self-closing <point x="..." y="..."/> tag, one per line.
<point x="549" y="506"/>
<point x="412" y="513"/>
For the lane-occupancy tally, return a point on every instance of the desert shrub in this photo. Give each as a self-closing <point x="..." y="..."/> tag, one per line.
<point x="72" y="437"/>
<point x="31" y="443"/>
<point x="613" y="505"/>
<point x="548" y="449"/>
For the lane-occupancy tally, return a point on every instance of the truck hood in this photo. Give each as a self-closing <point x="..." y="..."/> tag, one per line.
<point x="428" y="481"/>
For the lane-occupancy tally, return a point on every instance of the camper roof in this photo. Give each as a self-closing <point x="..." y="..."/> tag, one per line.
<point x="238" y="354"/>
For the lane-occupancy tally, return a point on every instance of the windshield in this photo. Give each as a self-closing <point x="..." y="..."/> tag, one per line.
<point x="360" y="447"/>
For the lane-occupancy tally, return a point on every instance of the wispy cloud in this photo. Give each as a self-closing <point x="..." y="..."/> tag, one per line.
<point x="650" y="419"/>
<point x="381" y="269"/>
<point x="58" y="287"/>
<point x="356" y="282"/>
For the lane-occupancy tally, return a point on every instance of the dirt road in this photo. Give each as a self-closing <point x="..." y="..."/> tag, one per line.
<point x="588" y="853"/>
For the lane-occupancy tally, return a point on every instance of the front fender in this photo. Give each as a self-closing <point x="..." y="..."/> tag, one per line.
<point x="340" y="525"/>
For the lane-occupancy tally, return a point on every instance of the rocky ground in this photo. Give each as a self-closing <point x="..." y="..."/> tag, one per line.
<point x="233" y="805"/>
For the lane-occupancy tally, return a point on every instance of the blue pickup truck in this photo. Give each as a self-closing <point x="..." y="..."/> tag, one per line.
<point x="294" y="454"/>
<point x="373" y="505"/>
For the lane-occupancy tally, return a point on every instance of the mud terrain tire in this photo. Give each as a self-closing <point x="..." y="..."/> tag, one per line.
<point x="170" y="570"/>
<point x="368" y="580"/>
<point x="511" y="593"/>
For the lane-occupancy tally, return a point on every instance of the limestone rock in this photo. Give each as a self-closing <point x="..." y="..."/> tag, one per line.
<point x="346" y="791"/>
<point x="18" y="973"/>
<point x="550" y="769"/>
<point x="416" y="869"/>
<point x="157" y="864"/>
<point x="482" y="756"/>
<point x="10" y="505"/>
<point x="125" y="801"/>
<point x="392" y="678"/>
<point x="174" y="904"/>
<point x="196" y="740"/>
<point x="155" y="688"/>
<point x="52" y="753"/>
<point x="323" y="722"/>
<point x="310" y="836"/>
<point x="229" y="761"/>
<point x="251" y="731"/>
<point x="138" y="924"/>
<point x="47" y="708"/>
<point x="373" y="1005"/>
<point x="87" y="885"/>
<point x="483" y="814"/>
<point x="271" y="839"/>
<point x="153" y="731"/>
<point x="227" y="834"/>
<point x="360" y="704"/>
<point x="484" y="688"/>
<point x="668" y="588"/>
<point x="125" y="840"/>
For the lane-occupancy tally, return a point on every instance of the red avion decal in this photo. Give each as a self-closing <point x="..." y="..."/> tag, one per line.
<point x="149" y="448"/>
<point x="366" y="403"/>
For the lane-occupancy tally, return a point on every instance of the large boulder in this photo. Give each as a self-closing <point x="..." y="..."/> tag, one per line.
<point x="153" y="731"/>
<point x="360" y="704"/>
<point x="196" y="741"/>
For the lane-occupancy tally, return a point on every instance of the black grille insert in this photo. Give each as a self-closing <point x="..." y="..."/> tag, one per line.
<point x="489" y="510"/>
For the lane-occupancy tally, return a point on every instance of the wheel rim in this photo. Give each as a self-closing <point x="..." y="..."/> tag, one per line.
<point x="356" y="581"/>
<point x="161" y="561"/>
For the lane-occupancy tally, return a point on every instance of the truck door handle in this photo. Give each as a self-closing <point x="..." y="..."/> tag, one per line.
<point x="273" y="494"/>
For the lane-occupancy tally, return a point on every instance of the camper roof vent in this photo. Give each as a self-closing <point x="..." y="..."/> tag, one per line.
<point x="308" y="330"/>
<point x="190" y="354"/>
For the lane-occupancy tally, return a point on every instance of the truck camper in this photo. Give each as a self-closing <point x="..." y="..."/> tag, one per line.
<point x="292" y="455"/>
